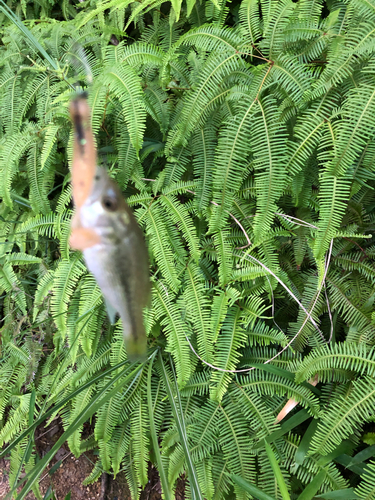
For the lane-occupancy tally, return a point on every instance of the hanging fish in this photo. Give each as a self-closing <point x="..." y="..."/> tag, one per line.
<point x="106" y="231"/>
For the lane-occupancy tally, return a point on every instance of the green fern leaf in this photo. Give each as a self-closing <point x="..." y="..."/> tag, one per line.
<point x="180" y="216"/>
<point x="250" y="21"/>
<point x="40" y="181"/>
<point x="10" y="283"/>
<point x="235" y="448"/>
<point x="345" y="416"/>
<point x="352" y="357"/>
<point x="159" y="243"/>
<point x="139" y="428"/>
<point x="170" y="318"/>
<point x="66" y="276"/>
<point x="197" y="306"/>
<point x="366" y="489"/>
<point x="47" y="154"/>
<point x="231" y="338"/>
<point x="126" y="87"/>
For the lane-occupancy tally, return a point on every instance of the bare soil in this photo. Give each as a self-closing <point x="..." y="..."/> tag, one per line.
<point x="72" y="472"/>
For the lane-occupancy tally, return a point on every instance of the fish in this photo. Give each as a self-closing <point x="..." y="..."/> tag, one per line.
<point x="106" y="231"/>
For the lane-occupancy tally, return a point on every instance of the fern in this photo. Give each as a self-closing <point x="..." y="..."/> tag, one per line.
<point x="66" y="275"/>
<point x="351" y="357"/>
<point x="241" y="135"/>
<point x="356" y="407"/>
<point x="366" y="488"/>
<point x="232" y="336"/>
<point x="169" y="315"/>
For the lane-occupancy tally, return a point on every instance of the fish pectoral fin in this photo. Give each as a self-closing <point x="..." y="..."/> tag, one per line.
<point x="111" y="311"/>
<point x="82" y="238"/>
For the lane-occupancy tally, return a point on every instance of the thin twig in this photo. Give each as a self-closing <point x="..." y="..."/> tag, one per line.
<point x="330" y="315"/>
<point x="239" y="224"/>
<point x="286" y="288"/>
<point x="253" y="55"/>
<point x="46" y="431"/>
<point x="304" y="223"/>
<point x="45" y="475"/>
<point x="264" y="79"/>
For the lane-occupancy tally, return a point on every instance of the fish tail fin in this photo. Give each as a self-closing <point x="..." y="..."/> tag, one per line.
<point x="136" y="348"/>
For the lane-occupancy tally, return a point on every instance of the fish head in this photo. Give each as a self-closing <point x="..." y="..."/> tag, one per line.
<point x="106" y="210"/>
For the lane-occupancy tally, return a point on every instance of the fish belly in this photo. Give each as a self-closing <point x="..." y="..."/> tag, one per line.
<point x="116" y="275"/>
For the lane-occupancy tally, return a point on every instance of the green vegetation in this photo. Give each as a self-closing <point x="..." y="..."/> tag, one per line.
<point x="242" y="135"/>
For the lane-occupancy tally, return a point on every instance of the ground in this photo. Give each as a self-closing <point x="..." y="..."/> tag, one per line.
<point x="70" y="475"/>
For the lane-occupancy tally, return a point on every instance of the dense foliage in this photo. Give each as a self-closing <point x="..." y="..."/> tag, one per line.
<point x="242" y="135"/>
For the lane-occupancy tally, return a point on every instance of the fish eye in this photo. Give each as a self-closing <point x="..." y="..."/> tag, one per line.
<point x="109" y="203"/>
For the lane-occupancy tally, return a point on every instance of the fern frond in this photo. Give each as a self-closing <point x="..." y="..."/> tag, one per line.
<point x="139" y="427"/>
<point x="95" y="473"/>
<point x="66" y="276"/>
<point x="170" y="318"/>
<point x="197" y="306"/>
<point x="366" y="489"/>
<point x="270" y="175"/>
<point x="347" y="356"/>
<point x="276" y="17"/>
<point x="125" y="85"/>
<point x="198" y="384"/>
<point x="233" y="147"/>
<point x="79" y="404"/>
<point x="261" y="334"/>
<point x="204" y="143"/>
<point x="10" y="283"/>
<point x="16" y="419"/>
<point x="250" y="24"/>
<point x="275" y="384"/>
<point x="159" y="243"/>
<point x="211" y="38"/>
<point x="215" y="70"/>
<point x="260" y="418"/>
<point x="334" y="193"/>
<point x="231" y="338"/>
<point x="90" y="314"/>
<point x="352" y="305"/>
<point x="40" y="181"/>
<point x="311" y="467"/>
<point x="43" y="225"/>
<point x="90" y="366"/>
<point x="204" y="472"/>
<point x="345" y="416"/>
<point x="13" y="147"/>
<point x="234" y="445"/>
<point x="120" y="443"/>
<point x="224" y="258"/>
<point x="108" y="418"/>
<point x="180" y="216"/>
<point x="47" y="154"/>
<point x="158" y="106"/>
